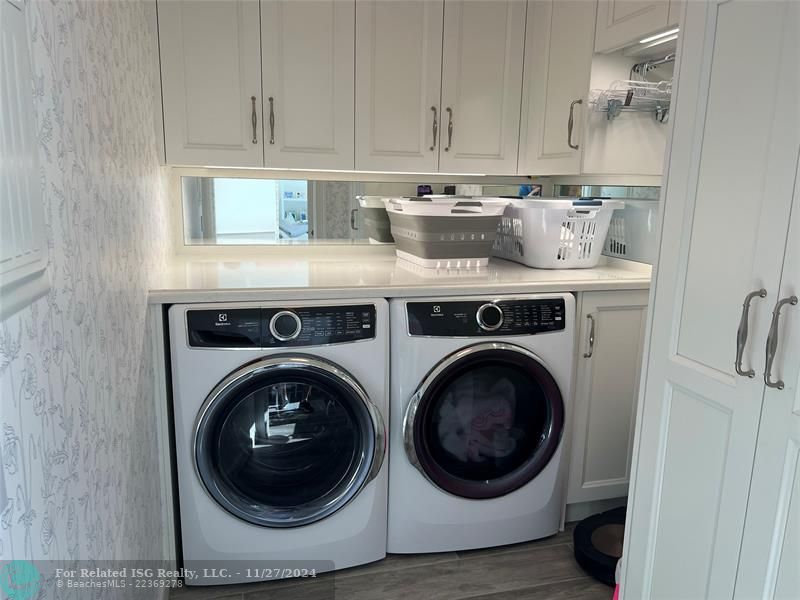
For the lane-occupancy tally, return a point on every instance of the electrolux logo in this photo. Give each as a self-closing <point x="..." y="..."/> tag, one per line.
<point x="222" y="320"/>
<point x="20" y="579"/>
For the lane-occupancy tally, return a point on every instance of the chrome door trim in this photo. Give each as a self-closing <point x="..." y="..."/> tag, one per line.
<point x="413" y="404"/>
<point x="296" y="362"/>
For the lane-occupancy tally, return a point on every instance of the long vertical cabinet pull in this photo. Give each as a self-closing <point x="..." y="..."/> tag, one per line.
<point x="254" y="119"/>
<point x="435" y="128"/>
<point x="272" y="120"/>
<point x="741" y="333"/>
<point x="571" y="123"/>
<point x="590" y="350"/>
<point x="772" y="342"/>
<point x="449" y="128"/>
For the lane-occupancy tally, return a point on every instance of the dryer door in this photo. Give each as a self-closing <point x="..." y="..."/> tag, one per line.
<point x="288" y="440"/>
<point x="485" y="421"/>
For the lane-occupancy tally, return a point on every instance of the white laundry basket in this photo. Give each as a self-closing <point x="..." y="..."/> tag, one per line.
<point x="554" y="233"/>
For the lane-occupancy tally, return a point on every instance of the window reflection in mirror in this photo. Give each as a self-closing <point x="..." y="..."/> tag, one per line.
<point x="239" y="211"/>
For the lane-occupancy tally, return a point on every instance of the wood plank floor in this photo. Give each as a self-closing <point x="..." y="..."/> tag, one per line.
<point x="541" y="570"/>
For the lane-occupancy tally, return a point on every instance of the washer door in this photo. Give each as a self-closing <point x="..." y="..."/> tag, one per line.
<point x="287" y="441"/>
<point x="485" y="421"/>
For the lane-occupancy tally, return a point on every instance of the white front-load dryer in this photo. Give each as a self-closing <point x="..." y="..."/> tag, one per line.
<point x="279" y="413"/>
<point x="480" y="390"/>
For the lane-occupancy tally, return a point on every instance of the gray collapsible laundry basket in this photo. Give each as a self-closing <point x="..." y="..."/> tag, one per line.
<point x="444" y="232"/>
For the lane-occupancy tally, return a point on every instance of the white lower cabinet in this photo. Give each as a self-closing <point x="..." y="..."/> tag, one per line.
<point x="612" y="326"/>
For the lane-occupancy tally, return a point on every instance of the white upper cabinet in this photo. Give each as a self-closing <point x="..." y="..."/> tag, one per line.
<point x="398" y="83"/>
<point x="307" y="64"/>
<point x="558" y="63"/>
<point x="481" y="85"/>
<point x="623" y="22"/>
<point x="211" y="82"/>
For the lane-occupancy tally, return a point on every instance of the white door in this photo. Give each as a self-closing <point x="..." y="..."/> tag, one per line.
<point x="558" y="62"/>
<point x="482" y="60"/>
<point x="624" y="22"/>
<point x="612" y="326"/>
<point x="770" y="562"/>
<point x="308" y="50"/>
<point x="211" y="82"/>
<point x="398" y="84"/>
<point x="726" y="204"/>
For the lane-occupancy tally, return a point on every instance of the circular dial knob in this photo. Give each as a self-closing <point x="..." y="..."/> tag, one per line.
<point x="285" y="325"/>
<point x="490" y="317"/>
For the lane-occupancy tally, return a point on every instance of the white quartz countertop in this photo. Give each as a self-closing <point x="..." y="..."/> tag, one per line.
<point x="336" y="273"/>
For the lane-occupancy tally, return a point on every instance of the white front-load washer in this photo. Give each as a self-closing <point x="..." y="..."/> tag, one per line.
<point x="279" y="413"/>
<point x="480" y="390"/>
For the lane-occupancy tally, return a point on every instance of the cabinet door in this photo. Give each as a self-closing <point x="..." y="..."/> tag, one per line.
<point x="211" y="82"/>
<point x="768" y="567"/>
<point x="307" y="63"/>
<point x="481" y="85"/>
<point x="624" y="22"/>
<point x="558" y="64"/>
<point x="398" y="84"/>
<point x="699" y="417"/>
<point x="607" y="386"/>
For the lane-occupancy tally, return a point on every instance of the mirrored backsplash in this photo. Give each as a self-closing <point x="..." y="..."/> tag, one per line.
<point x="239" y="211"/>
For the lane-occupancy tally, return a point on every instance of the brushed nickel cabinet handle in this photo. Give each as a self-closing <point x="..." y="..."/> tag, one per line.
<point x="254" y="119"/>
<point x="271" y="120"/>
<point x="590" y="351"/>
<point x="772" y="342"/>
<point x="571" y="123"/>
<point x="449" y="128"/>
<point x="435" y="128"/>
<point x="741" y="333"/>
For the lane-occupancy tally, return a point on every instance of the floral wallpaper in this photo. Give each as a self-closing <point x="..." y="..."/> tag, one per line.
<point x="78" y="455"/>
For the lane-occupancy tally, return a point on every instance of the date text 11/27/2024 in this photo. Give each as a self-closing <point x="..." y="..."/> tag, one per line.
<point x="187" y="574"/>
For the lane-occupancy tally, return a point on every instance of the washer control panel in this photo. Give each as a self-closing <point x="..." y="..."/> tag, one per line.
<point x="280" y="327"/>
<point x="317" y="325"/>
<point x="480" y="318"/>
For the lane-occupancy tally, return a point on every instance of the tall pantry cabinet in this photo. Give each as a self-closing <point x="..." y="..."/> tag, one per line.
<point x="717" y="450"/>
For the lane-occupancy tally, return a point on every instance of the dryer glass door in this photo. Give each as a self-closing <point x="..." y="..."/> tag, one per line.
<point x="287" y="441"/>
<point x="485" y="421"/>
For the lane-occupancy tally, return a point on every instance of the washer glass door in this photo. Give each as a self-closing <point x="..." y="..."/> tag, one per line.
<point x="485" y="421"/>
<point x="287" y="441"/>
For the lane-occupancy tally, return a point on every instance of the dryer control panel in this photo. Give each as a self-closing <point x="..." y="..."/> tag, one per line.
<point x="280" y="327"/>
<point x="481" y="318"/>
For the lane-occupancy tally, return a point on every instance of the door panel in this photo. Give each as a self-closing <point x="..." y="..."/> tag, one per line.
<point x="558" y="62"/>
<point x="691" y="483"/>
<point x="606" y="390"/>
<point x="729" y="263"/>
<point x="768" y="567"/>
<point x="210" y="71"/>
<point x="623" y="22"/>
<point x="398" y="83"/>
<point x="481" y="85"/>
<point x="308" y="49"/>
<point x="720" y="241"/>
